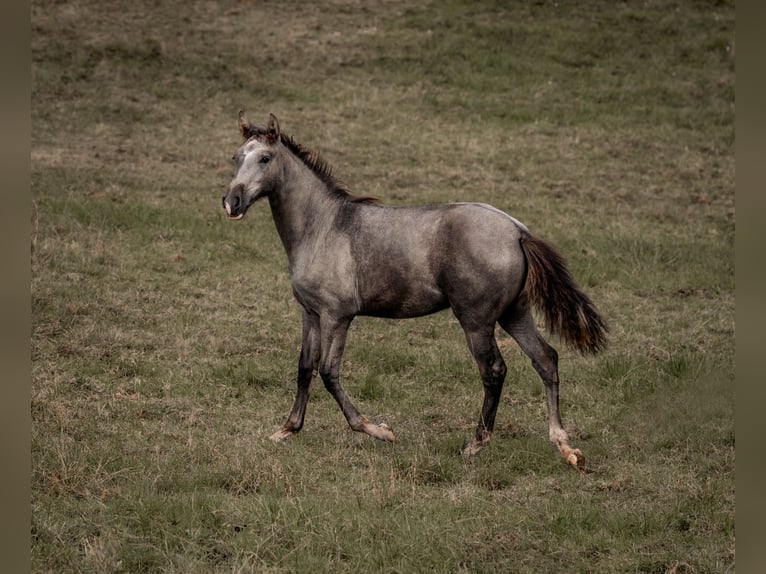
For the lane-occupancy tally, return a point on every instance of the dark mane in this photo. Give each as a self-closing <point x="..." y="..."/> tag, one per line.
<point x="323" y="171"/>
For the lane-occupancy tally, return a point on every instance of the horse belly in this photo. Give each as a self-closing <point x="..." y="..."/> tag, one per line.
<point x="392" y="293"/>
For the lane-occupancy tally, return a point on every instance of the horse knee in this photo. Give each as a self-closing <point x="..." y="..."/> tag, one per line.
<point x="329" y="378"/>
<point x="493" y="375"/>
<point x="498" y="371"/>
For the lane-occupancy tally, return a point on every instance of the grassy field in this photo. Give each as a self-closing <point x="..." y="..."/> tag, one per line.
<point x="165" y="338"/>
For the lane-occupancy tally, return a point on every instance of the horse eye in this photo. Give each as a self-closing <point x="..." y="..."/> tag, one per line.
<point x="265" y="159"/>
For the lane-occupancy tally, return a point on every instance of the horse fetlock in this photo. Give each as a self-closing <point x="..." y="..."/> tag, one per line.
<point x="558" y="436"/>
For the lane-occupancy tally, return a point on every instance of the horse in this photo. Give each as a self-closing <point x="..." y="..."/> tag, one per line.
<point x="349" y="256"/>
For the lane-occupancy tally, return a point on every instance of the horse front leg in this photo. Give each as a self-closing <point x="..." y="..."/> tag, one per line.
<point x="333" y="339"/>
<point x="307" y="364"/>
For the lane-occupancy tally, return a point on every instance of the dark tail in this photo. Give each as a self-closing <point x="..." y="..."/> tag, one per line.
<point x="568" y="312"/>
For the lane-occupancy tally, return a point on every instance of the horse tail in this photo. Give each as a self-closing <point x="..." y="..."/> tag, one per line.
<point x="568" y="312"/>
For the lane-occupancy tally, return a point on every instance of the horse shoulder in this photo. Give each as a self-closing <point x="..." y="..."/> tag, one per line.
<point x="323" y="275"/>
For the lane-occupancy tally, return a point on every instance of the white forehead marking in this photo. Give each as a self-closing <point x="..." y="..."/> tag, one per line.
<point x="250" y="147"/>
<point x="253" y="145"/>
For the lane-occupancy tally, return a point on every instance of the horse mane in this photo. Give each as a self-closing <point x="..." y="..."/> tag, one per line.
<point x="323" y="171"/>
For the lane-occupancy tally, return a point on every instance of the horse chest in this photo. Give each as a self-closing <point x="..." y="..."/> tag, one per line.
<point x="322" y="282"/>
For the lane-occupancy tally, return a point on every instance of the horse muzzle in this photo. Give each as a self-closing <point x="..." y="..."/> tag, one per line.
<point x="233" y="203"/>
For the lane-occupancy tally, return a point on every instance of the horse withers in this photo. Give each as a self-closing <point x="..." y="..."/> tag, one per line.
<point x="349" y="256"/>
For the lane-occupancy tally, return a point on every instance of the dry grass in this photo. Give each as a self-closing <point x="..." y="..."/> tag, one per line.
<point x="165" y="338"/>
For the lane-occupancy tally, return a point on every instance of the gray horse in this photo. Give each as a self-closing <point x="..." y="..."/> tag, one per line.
<point x="350" y="256"/>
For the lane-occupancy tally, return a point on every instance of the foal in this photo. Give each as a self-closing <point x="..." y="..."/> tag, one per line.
<point x="350" y="256"/>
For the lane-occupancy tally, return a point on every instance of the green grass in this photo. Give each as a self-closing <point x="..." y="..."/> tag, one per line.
<point x="165" y="338"/>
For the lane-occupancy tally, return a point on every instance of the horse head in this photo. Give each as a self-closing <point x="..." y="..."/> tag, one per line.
<point x="257" y="166"/>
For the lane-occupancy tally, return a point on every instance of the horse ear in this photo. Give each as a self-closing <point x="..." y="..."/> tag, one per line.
<point x="272" y="131"/>
<point x="246" y="129"/>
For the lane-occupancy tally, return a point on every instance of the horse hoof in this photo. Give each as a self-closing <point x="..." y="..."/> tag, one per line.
<point x="473" y="448"/>
<point x="281" y="435"/>
<point x="383" y="432"/>
<point x="380" y="431"/>
<point x="576" y="459"/>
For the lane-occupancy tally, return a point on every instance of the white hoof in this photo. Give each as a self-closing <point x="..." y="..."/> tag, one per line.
<point x="472" y="448"/>
<point x="281" y="435"/>
<point x="380" y="431"/>
<point x="574" y="458"/>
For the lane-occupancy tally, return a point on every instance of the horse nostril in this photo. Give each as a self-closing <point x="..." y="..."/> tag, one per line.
<point x="232" y="200"/>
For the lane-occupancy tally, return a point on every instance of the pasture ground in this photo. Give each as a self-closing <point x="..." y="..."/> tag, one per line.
<point x="165" y="338"/>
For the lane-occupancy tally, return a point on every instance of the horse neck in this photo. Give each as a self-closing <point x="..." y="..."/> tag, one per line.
<point x="302" y="207"/>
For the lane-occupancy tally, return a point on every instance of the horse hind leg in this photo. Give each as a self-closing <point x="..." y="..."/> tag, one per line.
<point x="492" y="369"/>
<point x="521" y="327"/>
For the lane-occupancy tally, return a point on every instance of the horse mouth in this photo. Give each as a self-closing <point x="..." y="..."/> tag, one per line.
<point x="236" y="217"/>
